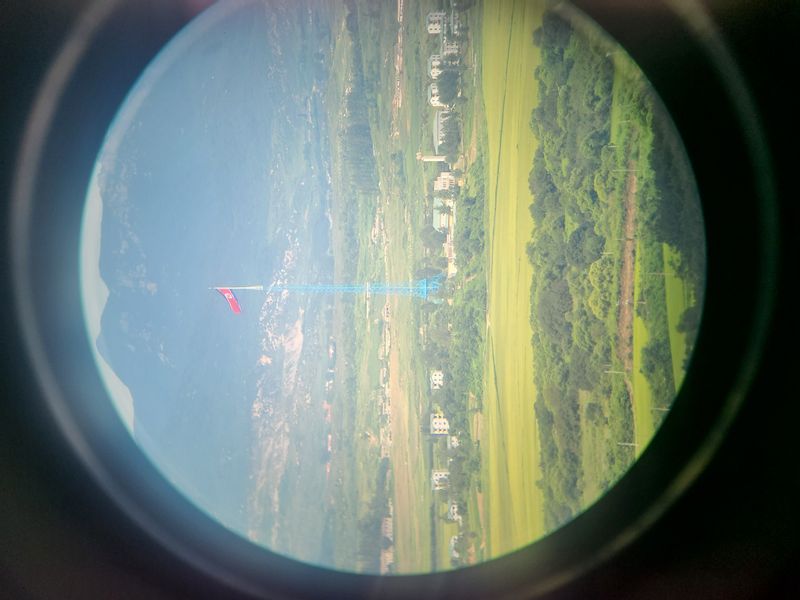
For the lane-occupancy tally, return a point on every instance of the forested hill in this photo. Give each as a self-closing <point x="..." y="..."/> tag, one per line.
<point x="605" y="149"/>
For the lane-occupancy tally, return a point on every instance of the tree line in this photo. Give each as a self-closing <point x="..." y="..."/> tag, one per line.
<point x="578" y="180"/>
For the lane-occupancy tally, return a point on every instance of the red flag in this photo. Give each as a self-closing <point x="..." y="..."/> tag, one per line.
<point x="231" y="298"/>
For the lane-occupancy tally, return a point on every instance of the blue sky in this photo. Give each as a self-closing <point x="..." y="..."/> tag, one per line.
<point x="178" y="202"/>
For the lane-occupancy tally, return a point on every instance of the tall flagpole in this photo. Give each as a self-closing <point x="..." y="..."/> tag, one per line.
<point x="259" y="288"/>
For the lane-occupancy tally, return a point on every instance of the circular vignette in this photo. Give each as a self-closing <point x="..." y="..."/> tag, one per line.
<point x="44" y="120"/>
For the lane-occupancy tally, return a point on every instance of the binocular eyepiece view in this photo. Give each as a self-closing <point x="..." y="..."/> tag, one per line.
<point x="380" y="299"/>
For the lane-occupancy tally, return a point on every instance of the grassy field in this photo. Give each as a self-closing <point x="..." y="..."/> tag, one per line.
<point x="678" y="300"/>
<point x="509" y="444"/>
<point x="594" y="458"/>
<point x="642" y="394"/>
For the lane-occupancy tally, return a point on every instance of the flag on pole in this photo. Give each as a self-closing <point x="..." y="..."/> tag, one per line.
<point x="231" y="298"/>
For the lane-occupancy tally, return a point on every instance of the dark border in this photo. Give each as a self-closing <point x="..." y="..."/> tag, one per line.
<point x="723" y="152"/>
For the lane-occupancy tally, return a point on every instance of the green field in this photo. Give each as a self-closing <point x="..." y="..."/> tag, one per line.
<point x="643" y="426"/>
<point x="509" y="443"/>
<point x="679" y="298"/>
<point x="538" y="367"/>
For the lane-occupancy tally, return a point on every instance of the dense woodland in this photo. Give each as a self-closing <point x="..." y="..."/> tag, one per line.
<point x="577" y="181"/>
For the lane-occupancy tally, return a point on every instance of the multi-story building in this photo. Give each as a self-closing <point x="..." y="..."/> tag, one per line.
<point x="436" y="21"/>
<point x="439" y="479"/>
<point x="439" y="424"/>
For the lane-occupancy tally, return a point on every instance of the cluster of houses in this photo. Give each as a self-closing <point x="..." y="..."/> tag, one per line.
<point x="439" y="425"/>
<point x="448" y="27"/>
<point x="387" y="531"/>
<point x="384" y="395"/>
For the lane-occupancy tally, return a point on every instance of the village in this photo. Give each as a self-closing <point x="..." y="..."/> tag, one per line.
<point x="442" y="75"/>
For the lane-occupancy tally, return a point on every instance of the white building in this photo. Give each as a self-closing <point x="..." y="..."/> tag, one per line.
<point x="430" y="158"/>
<point x="387" y="560"/>
<point x="453" y="551"/>
<point x="433" y="96"/>
<point x="452" y="512"/>
<point x="444" y="181"/>
<point x="387" y="529"/>
<point x="435" y="21"/>
<point x="439" y="479"/>
<point x="437" y="379"/>
<point x="438" y="127"/>
<point x="439" y="424"/>
<point x="434" y="66"/>
<point x="455" y="22"/>
<point x="450" y="46"/>
<point x="452" y="442"/>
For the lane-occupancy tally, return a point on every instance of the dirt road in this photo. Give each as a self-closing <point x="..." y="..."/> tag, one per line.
<point x="626" y="288"/>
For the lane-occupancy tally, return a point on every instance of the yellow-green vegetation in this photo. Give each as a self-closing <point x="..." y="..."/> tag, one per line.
<point x="593" y="451"/>
<point x="510" y="444"/>
<point x="563" y="331"/>
<point x="679" y="299"/>
<point x="445" y="530"/>
<point x="642" y="394"/>
<point x="607" y="174"/>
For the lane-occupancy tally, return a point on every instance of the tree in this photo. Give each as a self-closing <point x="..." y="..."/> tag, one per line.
<point x="690" y="320"/>
<point x="439" y="335"/>
<point x="462" y="4"/>
<point x="554" y="302"/>
<point x="584" y="246"/>
<point x="448" y="84"/>
<point x="427" y="272"/>
<point x="431" y="237"/>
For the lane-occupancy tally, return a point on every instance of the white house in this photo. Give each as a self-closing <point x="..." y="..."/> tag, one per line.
<point x="450" y="46"/>
<point x="439" y="424"/>
<point x="434" y="66"/>
<point x="433" y="96"/>
<point x="435" y="21"/>
<point x="452" y="545"/>
<point x="387" y="560"/>
<point x="437" y="379"/>
<point x="438" y="127"/>
<point x="444" y="181"/>
<point x="439" y="479"/>
<point x="455" y="22"/>
<point x="452" y="511"/>
<point x="387" y="529"/>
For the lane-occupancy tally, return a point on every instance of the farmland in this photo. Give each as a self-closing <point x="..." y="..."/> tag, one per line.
<point x="510" y="447"/>
<point x="568" y="299"/>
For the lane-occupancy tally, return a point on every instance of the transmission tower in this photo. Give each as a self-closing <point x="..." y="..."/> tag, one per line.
<point x="421" y="288"/>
